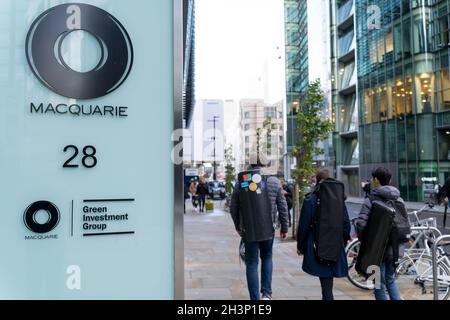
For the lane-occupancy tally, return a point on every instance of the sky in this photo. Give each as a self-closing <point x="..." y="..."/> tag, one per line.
<point x="240" y="49"/>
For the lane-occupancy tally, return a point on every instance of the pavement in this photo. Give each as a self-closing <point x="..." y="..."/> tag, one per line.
<point x="213" y="270"/>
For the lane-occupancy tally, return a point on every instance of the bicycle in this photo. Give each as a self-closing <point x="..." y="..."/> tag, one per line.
<point x="414" y="275"/>
<point x="419" y="240"/>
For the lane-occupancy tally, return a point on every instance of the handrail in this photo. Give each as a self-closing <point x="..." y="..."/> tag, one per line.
<point x="434" y="257"/>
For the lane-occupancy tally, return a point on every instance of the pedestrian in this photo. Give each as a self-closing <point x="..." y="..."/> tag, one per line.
<point x="186" y="196"/>
<point x="326" y="271"/>
<point x="288" y="194"/>
<point x="193" y="192"/>
<point x="254" y="205"/>
<point x="202" y="192"/>
<point x="382" y="191"/>
<point x="365" y="186"/>
<point x="443" y="198"/>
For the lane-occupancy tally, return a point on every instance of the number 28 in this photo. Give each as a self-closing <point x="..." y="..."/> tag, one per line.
<point x="89" y="159"/>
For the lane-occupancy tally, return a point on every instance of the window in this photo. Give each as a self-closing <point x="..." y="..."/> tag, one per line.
<point x="425" y="92"/>
<point x="246" y="127"/>
<point x="270" y="112"/>
<point x="398" y="41"/>
<point x="345" y="42"/>
<point x="247" y="139"/>
<point x="443" y="36"/>
<point x="368" y="103"/>
<point x="402" y="94"/>
<point x="389" y="42"/>
<point x="445" y="93"/>
<point x="247" y="115"/>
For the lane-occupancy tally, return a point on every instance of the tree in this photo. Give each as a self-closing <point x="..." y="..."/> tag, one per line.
<point x="230" y="174"/>
<point x="230" y="170"/>
<point x="267" y="146"/>
<point x="312" y="127"/>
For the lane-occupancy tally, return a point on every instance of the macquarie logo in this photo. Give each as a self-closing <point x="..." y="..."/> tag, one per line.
<point x="41" y="218"/>
<point x="44" y="54"/>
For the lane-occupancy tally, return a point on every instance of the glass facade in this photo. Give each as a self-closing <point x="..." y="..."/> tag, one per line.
<point x="344" y="97"/>
<point x="404" y="90"/>
<point x="189" y="61"/>
<point x="297" y="76"/>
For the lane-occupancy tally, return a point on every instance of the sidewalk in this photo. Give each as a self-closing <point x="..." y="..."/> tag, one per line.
<point x="213" y="270"/>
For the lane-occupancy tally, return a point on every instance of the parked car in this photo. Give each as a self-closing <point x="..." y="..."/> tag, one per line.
<point x="217" y="190"/>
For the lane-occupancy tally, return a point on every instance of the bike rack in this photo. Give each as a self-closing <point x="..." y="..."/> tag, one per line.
<point x="433" y="229"/>
<point x="434" y="258"/>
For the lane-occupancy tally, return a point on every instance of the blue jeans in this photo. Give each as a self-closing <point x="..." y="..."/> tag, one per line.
<point x="388" y="284"/>
<point x="252" y="252"/>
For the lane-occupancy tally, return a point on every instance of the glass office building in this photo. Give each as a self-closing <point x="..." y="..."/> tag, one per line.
<point x="297" y="77"/>
<point x="189" y="61"/>
<point x="344" y="94"/>
<point x="404" y="90"/>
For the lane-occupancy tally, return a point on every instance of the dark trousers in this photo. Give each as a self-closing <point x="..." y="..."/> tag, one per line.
<point x="327" y="289"/>
<point x="202" y="200"/>
<point x="254" y="251"/>
<point x="445" y="216"/>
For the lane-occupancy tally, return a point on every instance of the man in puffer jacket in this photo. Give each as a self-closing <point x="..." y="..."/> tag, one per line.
<point x="381" y="178"/>
<point x="263" y="249"/>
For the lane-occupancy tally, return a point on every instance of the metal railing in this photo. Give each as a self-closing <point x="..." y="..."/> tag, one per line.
<point x="435" y="263"/>
<point x="433" y="229"/>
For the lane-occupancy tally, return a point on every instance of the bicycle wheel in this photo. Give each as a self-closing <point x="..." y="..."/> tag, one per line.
<point x="354" y="276"/>
<point x="415" y="278"/>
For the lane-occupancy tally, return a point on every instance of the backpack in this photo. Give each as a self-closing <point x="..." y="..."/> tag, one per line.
<point x="375" y="238"/>
<point x="402" y="225"/>
<point x="328" y="221"/>
<point x="255" y="208"/>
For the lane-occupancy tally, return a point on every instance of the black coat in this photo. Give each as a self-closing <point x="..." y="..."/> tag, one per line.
<point x="305" y="243"/>
<point x="202" y="189"/>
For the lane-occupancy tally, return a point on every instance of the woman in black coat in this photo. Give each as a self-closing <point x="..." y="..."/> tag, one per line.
<point x="305" y="245"/>
<point x="202" y="192"/>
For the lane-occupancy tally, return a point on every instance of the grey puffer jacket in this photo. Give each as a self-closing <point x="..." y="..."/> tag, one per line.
<point x="277" y="200"/>
<point x="385" y="193"/>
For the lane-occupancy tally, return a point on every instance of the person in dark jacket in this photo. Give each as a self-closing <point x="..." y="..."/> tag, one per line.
<point x="381" y="178"/>
<point x="305" y="244"/>
<point x="202" y="192"/>
<point x="365" y="186"/>
<point x="254" y="250"/>
<point x="288" y="194"/>
<point x="443" y="197"/>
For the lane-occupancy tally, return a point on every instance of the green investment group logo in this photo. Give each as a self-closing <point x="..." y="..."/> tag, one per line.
<point x="43" y="51"/>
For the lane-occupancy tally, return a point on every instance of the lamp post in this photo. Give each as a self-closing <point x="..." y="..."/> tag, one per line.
<point x="214" y="121"/>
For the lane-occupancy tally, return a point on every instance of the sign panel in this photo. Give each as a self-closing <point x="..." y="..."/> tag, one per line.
<point x="86" y="115"/>
<point x="191" y="172"/>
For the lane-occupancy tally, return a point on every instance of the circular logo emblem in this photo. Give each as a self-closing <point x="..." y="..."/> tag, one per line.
<point x="257" y="178"/>
<point x="43" y="51"/>
<point x="29" y="217"/>
<point x="253" y="187"/>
